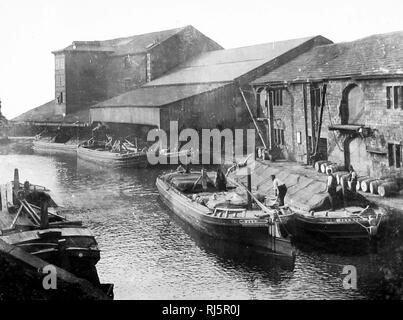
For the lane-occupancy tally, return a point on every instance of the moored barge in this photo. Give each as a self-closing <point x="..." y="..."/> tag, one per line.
<point x="30" y="220"/>
<point x="221" y="214"/>
<point x="48" y="146"/>
<point x="127" y="159"/>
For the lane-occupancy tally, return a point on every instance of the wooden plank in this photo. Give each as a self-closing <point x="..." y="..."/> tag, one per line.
<point x="16" y="217"/>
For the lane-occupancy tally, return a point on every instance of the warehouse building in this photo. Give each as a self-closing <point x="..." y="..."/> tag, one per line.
<point x="342" y="102"/>
<point x="88" y="72"/>
<point x="210" y="90"/>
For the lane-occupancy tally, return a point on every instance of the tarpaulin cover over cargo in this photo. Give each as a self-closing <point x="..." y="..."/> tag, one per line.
<point x="306" y="187"/>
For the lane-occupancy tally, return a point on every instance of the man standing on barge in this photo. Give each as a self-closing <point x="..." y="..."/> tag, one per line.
<point x="331" y="188"/>
<point x="280" y="190"/>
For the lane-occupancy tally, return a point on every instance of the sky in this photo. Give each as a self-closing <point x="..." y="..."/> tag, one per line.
<point x="31" y="30"/>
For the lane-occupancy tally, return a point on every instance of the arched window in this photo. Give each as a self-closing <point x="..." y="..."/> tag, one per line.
<point x="352" y="105"/>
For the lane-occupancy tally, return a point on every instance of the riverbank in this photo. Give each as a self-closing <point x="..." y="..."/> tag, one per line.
<point x="307" y="186"/>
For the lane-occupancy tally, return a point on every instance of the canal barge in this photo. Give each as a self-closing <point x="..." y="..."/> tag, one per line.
<point x="344" y="224"/>
<point x="131" y="158"/>
<point x="222" y="214"/>
<point x="354" y="218"/>
<point x="30" y="220"/>
<point x="49" y="146"/>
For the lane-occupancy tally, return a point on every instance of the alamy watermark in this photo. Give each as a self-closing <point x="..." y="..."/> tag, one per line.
<point x="350" y="280"/>
<point x="211" y="142"/>
<point x="49" y="281"/>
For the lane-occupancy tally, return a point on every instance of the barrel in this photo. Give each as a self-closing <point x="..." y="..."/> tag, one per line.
<point x="373" y="186"/>
<point x="324" y="165"/>
<point x="334" y="167"/>
<point x="318" y="164"/>
<point x="365" y="184"/>
<point x="388" y="188"/>
<point x="339" y="174"/>
<point x="359" y="180"/>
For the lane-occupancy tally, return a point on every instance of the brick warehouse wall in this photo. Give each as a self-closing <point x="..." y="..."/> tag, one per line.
<point x="60" y="84"/>
<point x="125" y="73"/>
<point x="386" y="123"/>
<point x="85" y="79"/>
<point x="91" y="77"/>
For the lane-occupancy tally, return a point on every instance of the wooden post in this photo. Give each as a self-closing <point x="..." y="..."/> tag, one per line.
<point x="271" y="117"/>
<point x="321" y="117"/>
<point x="308" y="155"/>
<point x="253" y="118"/>
<point x="313" y="120"/>
<point x="44" y="215"/>
<point x="249" y="176"/>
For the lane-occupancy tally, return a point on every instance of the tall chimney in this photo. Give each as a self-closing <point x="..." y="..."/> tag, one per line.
<point x="16" y="180"/>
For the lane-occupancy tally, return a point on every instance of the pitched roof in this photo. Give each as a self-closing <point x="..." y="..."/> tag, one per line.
<point x="157" y="96"/>
<point x="227" y="65"/>
<point x="121" y="46"/>
<point x="371" y="56"/>
<point x="47" y="113"/>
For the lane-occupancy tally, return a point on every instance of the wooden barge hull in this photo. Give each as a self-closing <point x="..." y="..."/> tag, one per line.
<point x="73" y="249"/>
<point x="113" y="159"/>
<point x="332" y="230"/>
<point x="249" y="232"/>
<point x="22" y="276"/>
<point x="53" y="147"/>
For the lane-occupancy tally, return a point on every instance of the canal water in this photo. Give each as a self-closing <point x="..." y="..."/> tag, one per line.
<point x="148" y="254"/>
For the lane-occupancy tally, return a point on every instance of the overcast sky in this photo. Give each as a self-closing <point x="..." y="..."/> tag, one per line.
<point x="30" y="30"/>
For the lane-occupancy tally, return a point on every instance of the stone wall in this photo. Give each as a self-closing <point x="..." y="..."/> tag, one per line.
<point x="370" y="154"/>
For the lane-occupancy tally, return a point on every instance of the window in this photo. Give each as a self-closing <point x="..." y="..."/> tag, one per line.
<point x="395" y="155"/>
<point x="391" y="155"/>
<point x="127" y="62"/>
<point x="276" y="97"/>
<point x="388" y="97"/>
<point x="394" y="97"/>
<point x="315" y="95"/>
<point x="299" y="137"/>
<point x="279" y="137"/>
<point x="398" y="155"/>
<point x="59" y="80"/>
<point x="59" y="62"/>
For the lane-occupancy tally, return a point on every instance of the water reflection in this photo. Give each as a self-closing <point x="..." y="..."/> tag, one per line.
<point x="149" y="254"/>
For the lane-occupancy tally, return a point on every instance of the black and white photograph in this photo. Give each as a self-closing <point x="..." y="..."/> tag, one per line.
<point x="212" y="151"/>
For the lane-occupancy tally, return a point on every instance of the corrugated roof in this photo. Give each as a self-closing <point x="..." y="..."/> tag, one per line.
<point x="375" y="55"/>
<point x="227" y="65"/>
<point x="122" y="46"/>
<point x="157" y="96"/>
<point x="47" y="113"/>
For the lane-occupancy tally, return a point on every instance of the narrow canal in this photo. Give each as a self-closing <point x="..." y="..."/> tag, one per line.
<point x="148" y="254"/>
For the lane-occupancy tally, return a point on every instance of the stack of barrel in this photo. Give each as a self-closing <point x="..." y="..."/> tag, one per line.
<point x="385" y="187"/>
